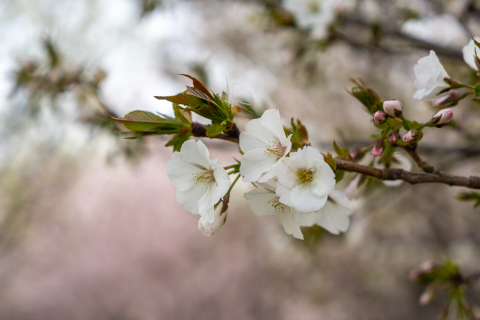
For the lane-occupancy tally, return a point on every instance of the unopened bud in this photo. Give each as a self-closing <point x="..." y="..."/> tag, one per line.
<point x="424" y="268"/>
<point x="377" y="148"/>
<point x="411" y="135"/>
<point x="393" y="137"/>
<point x="379" y="117"/>
<point x="209" y="229"/>
<point x="393" y="108"/>
<point x="448" y="100"/>
<point x="428" y="295"/>
<point x="441" y="118"/>
<point x="454" y="84"/>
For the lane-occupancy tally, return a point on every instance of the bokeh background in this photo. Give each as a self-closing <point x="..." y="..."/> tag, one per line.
<point x="90" y="227"/>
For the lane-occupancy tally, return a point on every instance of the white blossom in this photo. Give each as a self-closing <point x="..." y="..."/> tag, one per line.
<point x="264" y="143"/>
<point x="356" y="187"/>
<point x="314" y="14"/>
<point x="264" y="202"/>
<point x="469" y="54"/>
<point x="443" y="30"/>
<point x="333" y="216"/>
<point x="429" y="74"/>
<point x="208" y="228"/>
<point x="199" y="181"/>
<point x="304" y="180"/>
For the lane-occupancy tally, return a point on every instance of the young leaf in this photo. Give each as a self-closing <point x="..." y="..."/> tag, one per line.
<point x="330" y="161"/>
<point x="339" y="174"/>
<point x="141" y="120"/>
<point x="197" y="84"/>
<point x="214" y="129"/>
<point x="342" y="152"/>
<point x="182" y="98"/>
<point x="470" y="196"/>
<point x="477" y="90"/>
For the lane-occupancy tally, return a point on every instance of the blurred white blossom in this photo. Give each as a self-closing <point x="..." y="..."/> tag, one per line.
<point x="442" y="30"/>
<point x="304" y="180"/>
<point x="429" y="73"/>
<point x="199" y="181"/>
<point x="315" y="14"/>
<point x="264" y="143"/>
<point x="469" y="54"/>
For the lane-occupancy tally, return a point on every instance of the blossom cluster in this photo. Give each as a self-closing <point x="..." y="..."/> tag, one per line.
<point x="296" y="187"/>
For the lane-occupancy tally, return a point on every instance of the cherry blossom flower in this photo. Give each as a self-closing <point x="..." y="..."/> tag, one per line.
<point x="200" y="182"/>
<point x="304" y="180"/>
<point x="333" y="216"/>
<point x="430" y="74"/>
<point x="264" y="143"/>
<point x="264" y="202"/>
<point x="314" y="14"/>
<point x="209" y="229"/>
<point x="469" y="54"/>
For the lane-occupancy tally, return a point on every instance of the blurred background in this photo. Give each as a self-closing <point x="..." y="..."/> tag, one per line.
<point x="89" y="224"/>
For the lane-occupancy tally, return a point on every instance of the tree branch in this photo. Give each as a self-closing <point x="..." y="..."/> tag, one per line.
<point x="412" y="151"/>
<point x="473" y="182"/>
<point x="410" y="177"/>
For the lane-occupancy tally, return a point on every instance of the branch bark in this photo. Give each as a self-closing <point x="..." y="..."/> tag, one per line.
<point x="473" y="182"/>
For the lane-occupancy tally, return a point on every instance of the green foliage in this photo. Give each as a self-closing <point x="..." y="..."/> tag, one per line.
<point x="339" y="174"/>
<point x="214" y="129"/>
<point x="201" y="100"/>
<point x="141" y="121"/>
<point x="367" y="96"/>
<point x="470" y="196"/>
<point x="178" y="139"/>
<point x="477" y="90"/>
<point x="342" y="152"/>
<point x="299" y="134"/>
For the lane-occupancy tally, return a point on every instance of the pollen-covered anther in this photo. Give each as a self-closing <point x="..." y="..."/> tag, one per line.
<point x="204" y="177"/>
<point x="304" y="176"/>
<point x="280" y="207"/>
<point x="275" y="149"/>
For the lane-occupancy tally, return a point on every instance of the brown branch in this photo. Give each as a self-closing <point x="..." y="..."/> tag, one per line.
<point x="412" y="151"/>
<point x="473" y="182"/>
<point x="198" y="130"/>
<point x="410" y="177"/>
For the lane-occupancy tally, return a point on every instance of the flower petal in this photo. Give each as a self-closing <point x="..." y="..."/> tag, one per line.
<point x="285" y="173"/>
<point x="288" y="219"/>
<point x="271" y="121"/>
<point x="195" y="152"/>
<point x="209" y="199"/>
<point x="189" y="198"/>
<point x="261" y="201"/>
<point x="323" y="179"/>
<point x="221" y="178"/>
<point x="254" y="163"/>
<point x="284" y="194"/>
<point x="304" y="200"/>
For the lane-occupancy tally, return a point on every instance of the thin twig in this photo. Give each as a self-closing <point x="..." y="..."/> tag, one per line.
<point x="412" y="151"/>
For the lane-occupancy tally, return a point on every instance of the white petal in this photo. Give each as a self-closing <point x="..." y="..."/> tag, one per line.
<point x="255" y="136"/>
<point x="297" y="161"/>
<point x="469" y="54"/>
<point x="196" y="153"/>
<point x="305" y="201"/>
<point x="285" y="195"/>
<point x="261" y="201"/>
<point x="181" y="173"/>
<point x="189" y="198"/>
<point x="285" y="173"/>
<point x="254" y="163"/>
<point x="269" y="175"/>
<point x="209" y="199"/>
<point x="221" y="178"/>
<point x="271" y="121"/>
<point x="323" y="179"/>
<point x="288" y="219"/>
<point x="309" y="154"/>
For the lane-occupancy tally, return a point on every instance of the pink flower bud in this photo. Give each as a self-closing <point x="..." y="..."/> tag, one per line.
<point x="448" y="100"/>
<point x="393" y="136"/>
<point x="393" y="108"/>
<point x="441" y="118"/>
<point x="411" y="135"/>
<point x="377" y="147"/>
<point x="379" y="117"/>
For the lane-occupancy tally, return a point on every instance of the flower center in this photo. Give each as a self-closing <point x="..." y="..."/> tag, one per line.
<point x="304" y="177"/>
<point x="279" y="207"/>
<point x="275" y="149"/>
<point x="204" y="177"/>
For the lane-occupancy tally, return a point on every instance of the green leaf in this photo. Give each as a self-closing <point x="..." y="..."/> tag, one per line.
<point x="342" y="152"/>
<point x="339" y="174"/>
<point x="180" y="114"/>
<point x="197" y="84"/>
<point x="330" y="161"/>
<point x="177" y="141"/>
<point x="183" y="98"/>
<point x="407" y="124"/>
<point x="477" y="90"/>
<point x="367" y="96"/>
<point x="476" y="42"/>
<point x="470" y="196"/>
<point x="214" y="129"/>
<point x="142" y="120"/>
